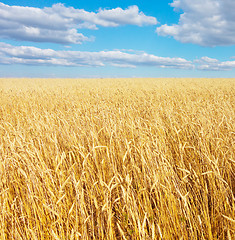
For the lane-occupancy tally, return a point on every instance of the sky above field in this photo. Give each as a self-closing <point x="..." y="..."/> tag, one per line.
<point x="157" y="38"/>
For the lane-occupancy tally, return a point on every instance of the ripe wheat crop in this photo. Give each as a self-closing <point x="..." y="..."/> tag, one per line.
<point x="117" y="159"/>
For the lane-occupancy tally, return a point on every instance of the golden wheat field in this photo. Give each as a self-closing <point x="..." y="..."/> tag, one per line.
<point x="117" y="159"/>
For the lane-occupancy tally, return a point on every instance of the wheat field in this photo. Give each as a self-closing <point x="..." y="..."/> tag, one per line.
<point x="117" y="159"/>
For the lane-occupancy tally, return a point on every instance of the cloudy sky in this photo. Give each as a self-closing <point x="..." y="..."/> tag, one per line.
<point x="122" y="38"/>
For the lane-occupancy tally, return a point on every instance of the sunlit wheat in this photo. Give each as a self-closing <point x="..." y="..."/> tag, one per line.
<point x="117" y="159"/>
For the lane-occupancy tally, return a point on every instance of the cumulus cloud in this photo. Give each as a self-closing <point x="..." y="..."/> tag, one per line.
<point x="103" y="17"/>
<point x="212" y="64"/>
<point x="203" y="22"/>
<point x="59" y="24"/>
<point x="36" y="56"/>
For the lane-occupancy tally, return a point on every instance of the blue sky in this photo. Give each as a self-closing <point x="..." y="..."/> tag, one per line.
<point x="177" y="38"/>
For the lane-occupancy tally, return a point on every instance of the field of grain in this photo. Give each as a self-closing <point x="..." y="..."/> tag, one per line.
<point x="117" y="159"/>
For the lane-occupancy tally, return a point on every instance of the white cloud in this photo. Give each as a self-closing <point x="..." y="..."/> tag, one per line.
<point x="203" y="22"/>
<point x="130" y="16"/>
<point x="59" y="24"/>
<point x="27" y="55"/>
<point x="36" y="56"/>
<point x="44" y="35"/>
<point x="103" y="17"/>
<point x="211" y="64"/>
